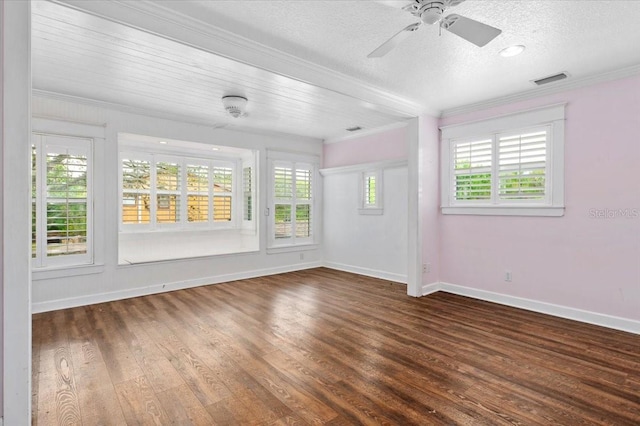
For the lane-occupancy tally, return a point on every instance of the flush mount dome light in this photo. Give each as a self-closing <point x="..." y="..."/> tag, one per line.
<point x="235" y="105"/>
<point x="514" y="50"/>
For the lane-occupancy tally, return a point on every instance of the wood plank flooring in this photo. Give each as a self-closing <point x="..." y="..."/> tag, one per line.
<point x="326" y="347"/>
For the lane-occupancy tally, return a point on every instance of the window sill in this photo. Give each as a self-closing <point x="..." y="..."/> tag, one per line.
<point x="505" y="211"/>
<point x="66" y="271"/>
<point x="170" y="260"/>
<point x="292" y="248"/>
<point x="371" y="211"/>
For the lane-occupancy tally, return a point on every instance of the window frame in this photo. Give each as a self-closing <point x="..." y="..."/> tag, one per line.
<point x="190" y="162"/>
<point x="183" y="161"/>
<point x="294" y="162"/>
<point x="377" y="207"/>
<point x="550" y="117"/>
<point x="80" y="143"/>
<point x="249" y="195"/>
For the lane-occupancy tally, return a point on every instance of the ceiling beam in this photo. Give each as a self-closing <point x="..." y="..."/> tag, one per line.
<point x="154" y="18"/>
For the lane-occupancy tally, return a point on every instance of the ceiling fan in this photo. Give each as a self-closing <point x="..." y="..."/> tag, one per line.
<point x="432" y="12"/>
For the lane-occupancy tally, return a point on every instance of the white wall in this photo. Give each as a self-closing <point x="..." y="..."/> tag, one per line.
<point x="15" y="78"/>
<point x="108" y="280"/>
<point x="374" y="245"/>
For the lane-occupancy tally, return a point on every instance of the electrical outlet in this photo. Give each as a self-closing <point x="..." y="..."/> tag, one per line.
<point x="507" y="276"/>
<point x="426" y="268"/>
<point x="301" y="256"/>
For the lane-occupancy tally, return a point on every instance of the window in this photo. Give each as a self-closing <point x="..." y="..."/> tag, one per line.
<point x="168" y="191"/>
<point x="292" y="201"/>
<point x="371" y="192"/>
<point x="223" y="193"/>
<point x="247" y="194"/>
<point x="507" y="172"/>
<point x="136" y="191"/>
<point x="61" y="200"/>
<point x="161" y="191"/>
<point x="197" y="193"/>
<point x="184" y="199"/>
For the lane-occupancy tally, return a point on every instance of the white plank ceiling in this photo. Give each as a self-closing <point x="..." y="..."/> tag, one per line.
<point x="86" y="56"/>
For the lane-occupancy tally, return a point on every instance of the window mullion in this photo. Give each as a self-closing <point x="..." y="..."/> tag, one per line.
<point x="451" y="197"/>
<point x="294" y="201"/>
<point x="153" y="196"/>
<point x="183" y="191"/>
<point x="236" y="194"/>
<point x="549" y="168"/>
<point x="210" y="193"/>
<point x="41" y="203"/>
<point x="495" y="169"/>
<point x="89" y="228"/>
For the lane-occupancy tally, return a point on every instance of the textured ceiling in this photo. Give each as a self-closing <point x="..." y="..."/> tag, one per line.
<point x="83" y="55"/>
<point x="583" y="37"/>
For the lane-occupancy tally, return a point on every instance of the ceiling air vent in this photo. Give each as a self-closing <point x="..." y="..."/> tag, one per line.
<point x="354" y="129"/>
<point x="551" y="79"/>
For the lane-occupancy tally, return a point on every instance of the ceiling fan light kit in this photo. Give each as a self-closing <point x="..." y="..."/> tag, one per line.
<point x="235" y="105"/>
<point x="431" y="13"/>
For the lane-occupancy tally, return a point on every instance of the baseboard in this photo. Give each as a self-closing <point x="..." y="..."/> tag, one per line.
<point x="92" y="299"/>
<point x="383" y="275"/>
<point x="603" y="320"/>
<point x="427" y="289"/>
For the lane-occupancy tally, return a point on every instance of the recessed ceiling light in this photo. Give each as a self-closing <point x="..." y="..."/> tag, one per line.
<point x="215" y="149"/>
<point x="514" y="50"/>
<point x="163" y="142"/>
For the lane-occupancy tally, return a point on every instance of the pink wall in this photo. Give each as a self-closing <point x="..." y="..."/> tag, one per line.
<point x="577" y="260"/>
<point x="389" y="145"/>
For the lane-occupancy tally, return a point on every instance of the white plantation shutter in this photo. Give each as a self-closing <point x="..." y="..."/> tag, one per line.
<point x="369" y="193"/>
<point x="62" y="200"/>
<point x="247" y="194"/>
<point x="303" y="202"/>
<point x="222" y="193"/>
<point x="283" y="196"/>
<point x="198" y="193"/>
<point x="283" y="182"/>
<point x="66" y="201"/>
<point x="168" y="192"/>
<point x="508" y="165"/>
<point x="472" y="168"/>
<point x="292" y="200"/>
<point x="522" y="165"/>
<point x="136" y="187"/>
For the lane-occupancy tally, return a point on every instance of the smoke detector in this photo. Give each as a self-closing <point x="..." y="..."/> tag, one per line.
<point x="235" y="105"/>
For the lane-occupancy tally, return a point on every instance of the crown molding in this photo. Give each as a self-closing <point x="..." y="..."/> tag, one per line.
<point x="364" y="133"/>
<point x="385" y="164"/>
<point x="154" y="18"/>
<point x="563" y="86"/>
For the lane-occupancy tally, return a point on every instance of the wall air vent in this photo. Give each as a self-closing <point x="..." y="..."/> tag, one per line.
<point x="354" y="129"/>
<point x="551" y="79"/>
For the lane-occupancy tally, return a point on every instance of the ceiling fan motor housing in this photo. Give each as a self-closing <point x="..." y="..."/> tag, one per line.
<point x="430" y="12"/>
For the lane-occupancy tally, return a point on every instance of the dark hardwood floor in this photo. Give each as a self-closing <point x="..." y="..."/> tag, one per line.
<point x="327" y="347"/>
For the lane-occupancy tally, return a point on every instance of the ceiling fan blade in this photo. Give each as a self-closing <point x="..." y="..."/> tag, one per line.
<point x="390" y="44"/>
<point x="473" y="31"/>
